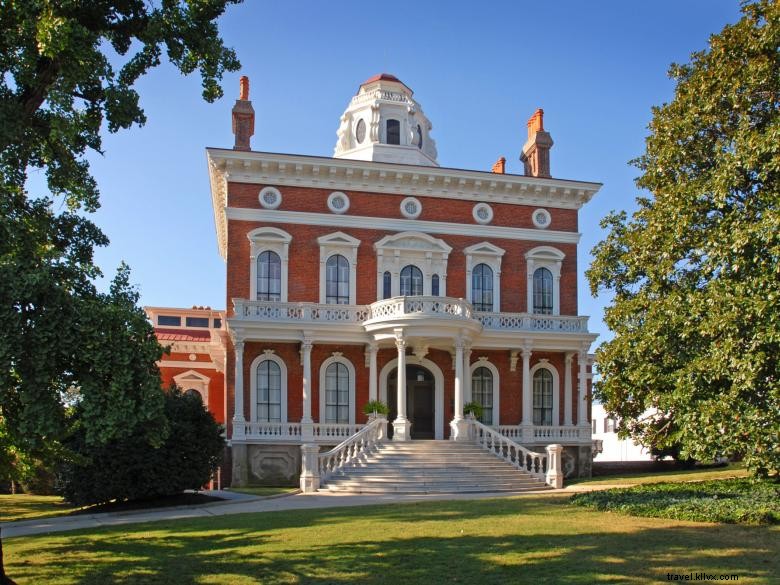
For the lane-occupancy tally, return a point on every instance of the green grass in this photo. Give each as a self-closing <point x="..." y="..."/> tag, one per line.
<point x="531" y="539"/>
<point x="726" y="472"/>
<point x="27" y="507"/>
<point x="726" y="500"/>
<point x="264" y="491"/>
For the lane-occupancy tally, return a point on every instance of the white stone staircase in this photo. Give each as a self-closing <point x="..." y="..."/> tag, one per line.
<point x="430" y="467"/>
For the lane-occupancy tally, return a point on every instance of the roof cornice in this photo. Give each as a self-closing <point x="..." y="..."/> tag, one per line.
<point x="355" y="175"/>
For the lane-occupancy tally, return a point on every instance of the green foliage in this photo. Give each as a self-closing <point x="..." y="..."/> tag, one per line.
<point x="376" y="406"/>
<point x="66" y="66"/>
<point x="132" y="468"/>
<point x="736" y="501"/>
<point x="474" y="408"/>
<point x="695" y="271"/>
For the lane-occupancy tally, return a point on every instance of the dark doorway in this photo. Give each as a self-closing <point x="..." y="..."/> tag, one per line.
<point x="420" y="387"/>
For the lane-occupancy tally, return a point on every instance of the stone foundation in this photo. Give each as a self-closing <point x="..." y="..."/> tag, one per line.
<point x="577" y="461"/>
<point x="266" y="465"/>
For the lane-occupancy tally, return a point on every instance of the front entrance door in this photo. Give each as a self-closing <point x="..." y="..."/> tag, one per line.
<point x="419" y="401"/>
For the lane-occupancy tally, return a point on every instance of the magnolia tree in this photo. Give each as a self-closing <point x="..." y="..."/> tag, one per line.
<point x="694" y="273"/>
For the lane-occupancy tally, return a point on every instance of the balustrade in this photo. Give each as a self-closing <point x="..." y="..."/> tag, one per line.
<point x="323" y="432"/>
<point x="353" y="450"/>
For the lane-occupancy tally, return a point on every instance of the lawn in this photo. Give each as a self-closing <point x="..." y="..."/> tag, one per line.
<point x="707" y="473"/>
<point x="530" y="539"/>
<point x="27" y="507"/>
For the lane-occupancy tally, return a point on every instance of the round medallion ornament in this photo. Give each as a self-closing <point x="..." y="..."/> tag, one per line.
<point x="193" y="357"/>
<point x="338" y="202"/>
<point x="541" y="218"/>
<point x="270" y="197"/>
<point x="360" y="131"/>
<point x="411" y="208"/>
<point x="482" y="213"/>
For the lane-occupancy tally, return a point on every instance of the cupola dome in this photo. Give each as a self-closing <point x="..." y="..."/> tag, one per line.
<point x="384" y="123"/>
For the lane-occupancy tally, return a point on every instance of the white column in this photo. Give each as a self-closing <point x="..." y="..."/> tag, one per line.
<point x="567" y="420"/>
<point x="307" y="424"/>
<point x="467" y="374"/>
<point x="372" y="379"/>
<point x="402" y="428"/>
<point x="459" y="426"/>
<point x="528" y="403"/>
<point x="582" y="405"/>
<point x="238" y="391"/>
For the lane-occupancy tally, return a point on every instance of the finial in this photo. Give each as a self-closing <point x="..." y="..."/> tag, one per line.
<point x="243" y="93"/>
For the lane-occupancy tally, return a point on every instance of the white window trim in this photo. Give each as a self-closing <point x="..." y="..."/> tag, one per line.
<point x="194" y="380"/>
<point x="475" y="213"/>
<point x="264" y="203"/>
<point x="395" y="251"/>
<point x="333" y="208"/>
<point x="270" y="356"/>
<point x="541" y="226"/>
<point x="337" y="358"/>
<point x="546" y="365"/>
<point x="485" y="253"/>
<point x="408" y="215"/>
<point x="268" y="239"/>
<point x="550" y="258"/>
<point x="347" y="246"/>
<point x="483" y="362"/>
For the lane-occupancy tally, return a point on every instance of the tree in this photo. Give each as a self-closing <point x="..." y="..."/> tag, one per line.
<point x="695" y="271"/>
<point x="132" y="469"/>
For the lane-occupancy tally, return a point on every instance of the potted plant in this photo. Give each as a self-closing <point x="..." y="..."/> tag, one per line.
<point x="473" y="410"/>
<point x="374" y="408"/>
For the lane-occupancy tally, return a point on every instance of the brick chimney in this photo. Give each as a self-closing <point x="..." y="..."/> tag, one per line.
<point x="536" y="150"/>
<point x="243" y="117"/>
<point x="500" y="166"/>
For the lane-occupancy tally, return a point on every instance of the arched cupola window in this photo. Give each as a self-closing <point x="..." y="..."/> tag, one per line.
<point x="393" y="132"/>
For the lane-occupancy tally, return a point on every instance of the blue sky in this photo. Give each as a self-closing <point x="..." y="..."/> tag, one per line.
<point x="478" y="70"/>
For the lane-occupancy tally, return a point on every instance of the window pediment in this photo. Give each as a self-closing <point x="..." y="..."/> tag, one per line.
<point x="413" y="241"/>
<point x="484" y="249"/>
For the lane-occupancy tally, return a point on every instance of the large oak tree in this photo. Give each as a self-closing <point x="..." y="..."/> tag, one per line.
<point x="695" y="271"/>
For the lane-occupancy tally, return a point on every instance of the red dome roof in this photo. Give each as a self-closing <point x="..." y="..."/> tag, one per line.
<point x="385" y="77"/>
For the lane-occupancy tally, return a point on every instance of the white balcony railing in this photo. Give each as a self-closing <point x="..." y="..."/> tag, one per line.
<point x="545" y="434"/>
<point x="274" y="432"/>
<point x="399" y="307"/>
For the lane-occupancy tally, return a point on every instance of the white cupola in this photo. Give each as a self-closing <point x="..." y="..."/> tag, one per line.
<point x="384" y="123"/>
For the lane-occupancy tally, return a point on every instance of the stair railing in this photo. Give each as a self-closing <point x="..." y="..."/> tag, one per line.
<point x="547" y="467"/>
<point x="316" y="467"/>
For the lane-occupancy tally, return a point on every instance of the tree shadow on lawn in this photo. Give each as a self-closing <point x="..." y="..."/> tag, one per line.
<point x="543" y="540"/>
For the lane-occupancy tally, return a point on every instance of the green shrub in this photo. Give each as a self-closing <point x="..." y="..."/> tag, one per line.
<point x="40" y="480"/>
<point x="376" y="406"/>
<point x="131" y="468"/>
<point x="735" y="501"/>
<point x="474" y="408"/>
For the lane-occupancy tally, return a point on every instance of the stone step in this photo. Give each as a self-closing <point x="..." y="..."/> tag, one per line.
<point x="362" y="489"/>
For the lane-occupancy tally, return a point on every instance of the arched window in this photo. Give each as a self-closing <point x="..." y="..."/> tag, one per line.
<point x="337" y="394"/>
<point x="411" y="281"/>
<point x="482" y="393"/>
<point x="482" y="288"/>
<point x="420" y="139"/>
<point x="543" y="291"/>
<point x="387" y="285"/>
<point x="435" y="285"/>
<point x="543" y="397"/>
<point x="393" y="132"/>
<point x="337" y="280"/>
<point x="269" y="391"/>
<point x="192" y="393"/>
<point x="269" y="277"/>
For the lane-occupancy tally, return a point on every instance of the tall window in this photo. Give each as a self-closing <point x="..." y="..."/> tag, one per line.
<point x="269" y="391"/>
<point x="543" y="291"/>
<point x="337" y="394"/>
<point x="482" y="393"/>
<point x="543" y="397"/>
<point x="269" y="277"/>
<point x="435" y="285"/>
<point x="387" y="285"/>
<point x="393" y="132"/>
<point x="411" y="281"/>
<point x="482" y="287"/>
<point x="337" y="280"/>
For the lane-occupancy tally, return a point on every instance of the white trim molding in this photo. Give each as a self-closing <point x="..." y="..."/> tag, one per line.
<point x="484" y="362"/>
<point x="268" y="239"/>
<point x="338" y="202"/>
<point x="438" y="379"/>
<point x="545" y="364"/>
<point x="482" y="213"/>
<point x="411" y="208"/>
<point x="194" y="380"/>
<point x="337" y="358"/>
<point x="541" y="218"/>
<point x="270" y="197"/>
<point x="544" y="257"/>
<point x="485" y="253"/>
<point x="267" y="355"/>
<point x="345" y="245"/>
<point x="395" y="251"/>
